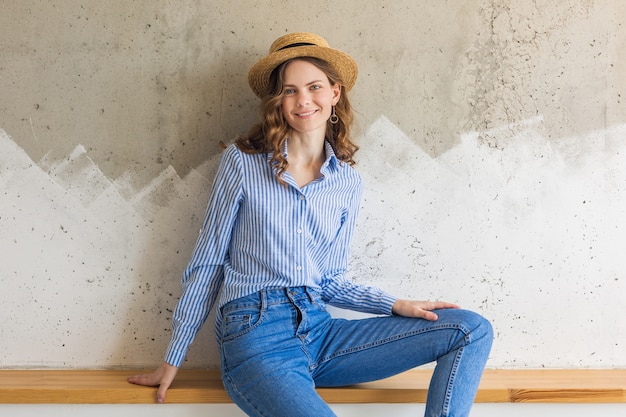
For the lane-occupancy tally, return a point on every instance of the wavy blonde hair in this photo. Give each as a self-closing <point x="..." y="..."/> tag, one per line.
<point x="270" y="135"/>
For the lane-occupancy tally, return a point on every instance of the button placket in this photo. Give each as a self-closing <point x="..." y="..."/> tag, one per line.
<point x="300" y="230"/>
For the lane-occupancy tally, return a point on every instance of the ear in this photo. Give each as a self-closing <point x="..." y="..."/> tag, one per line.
<point x="336" y="93"/>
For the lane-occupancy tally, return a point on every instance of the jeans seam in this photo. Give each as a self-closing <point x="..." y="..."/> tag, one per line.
<point x="343" y="352"/>
<point x="449" y="388"/>
<point x="240" y="395"/>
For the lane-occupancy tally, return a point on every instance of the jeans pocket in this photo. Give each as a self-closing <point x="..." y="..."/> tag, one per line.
<point x="236" y="323"/>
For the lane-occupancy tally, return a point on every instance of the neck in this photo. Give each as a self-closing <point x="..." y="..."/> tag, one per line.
<point x="305" y="157"/>
<point x="305" y="148"/>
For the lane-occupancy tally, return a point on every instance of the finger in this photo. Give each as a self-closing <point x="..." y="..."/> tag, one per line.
<point x="161" y="392"/>
<point x="429" y="315"/>
<point x="144" y="379"/>
<point x="436" y="305"/>
<point x="135" y="379"/>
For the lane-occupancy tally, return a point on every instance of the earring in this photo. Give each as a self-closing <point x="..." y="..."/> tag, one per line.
<point x="333" y="117"/>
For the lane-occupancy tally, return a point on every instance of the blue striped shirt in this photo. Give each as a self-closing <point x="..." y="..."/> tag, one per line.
<point x="259" y="233"/>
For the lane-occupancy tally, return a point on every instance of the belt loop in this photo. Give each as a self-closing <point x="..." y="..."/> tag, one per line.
<point x="308" y="293"/>
<point x="263" y="299"/>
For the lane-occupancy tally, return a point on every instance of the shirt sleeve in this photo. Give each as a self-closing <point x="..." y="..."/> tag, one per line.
<point x="204" y="275"/>
<point x="336" y="289"/>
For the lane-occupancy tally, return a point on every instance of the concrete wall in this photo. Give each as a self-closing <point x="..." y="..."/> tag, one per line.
<point x="493" y="139"/>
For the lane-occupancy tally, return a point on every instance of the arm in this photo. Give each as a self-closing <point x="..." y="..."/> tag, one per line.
<point x="336" y="289"/>
<point x="203" y="277"/>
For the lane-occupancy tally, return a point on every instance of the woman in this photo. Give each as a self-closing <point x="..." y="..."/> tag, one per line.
<point x="274" y="245"/>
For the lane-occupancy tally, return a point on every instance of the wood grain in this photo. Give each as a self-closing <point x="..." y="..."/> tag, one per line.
<point x="193" y="386"/>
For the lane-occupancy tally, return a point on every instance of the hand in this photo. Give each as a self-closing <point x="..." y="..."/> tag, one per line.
<point x="162" y="377"/>
<point x="420" y="309"/>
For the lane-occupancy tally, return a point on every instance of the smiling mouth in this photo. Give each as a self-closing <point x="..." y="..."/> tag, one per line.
<point x="306" y="114"/>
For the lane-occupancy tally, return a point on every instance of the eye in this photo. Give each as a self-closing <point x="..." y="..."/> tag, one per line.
<point x="289" y="91"/>
<point x="316" y="87"/>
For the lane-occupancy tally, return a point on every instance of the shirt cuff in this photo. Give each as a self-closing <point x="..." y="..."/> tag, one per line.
<point x="386" y="302"/>
<point x="174" y="356"/>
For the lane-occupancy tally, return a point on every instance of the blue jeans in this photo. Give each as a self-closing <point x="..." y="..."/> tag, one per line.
<point x="278" y="345"/>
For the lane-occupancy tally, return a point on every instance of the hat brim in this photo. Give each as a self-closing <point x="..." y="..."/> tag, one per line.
<point x="259" y="74"/>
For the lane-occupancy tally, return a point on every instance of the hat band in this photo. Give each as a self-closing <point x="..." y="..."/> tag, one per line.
<point x="293" y="45"/>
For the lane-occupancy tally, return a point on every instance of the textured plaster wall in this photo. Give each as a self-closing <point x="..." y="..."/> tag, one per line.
<point x="493" y="139"/>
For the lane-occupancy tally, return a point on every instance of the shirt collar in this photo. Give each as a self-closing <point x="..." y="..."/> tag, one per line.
<point x="331" y="158"/>
<point x="331" y="162"/>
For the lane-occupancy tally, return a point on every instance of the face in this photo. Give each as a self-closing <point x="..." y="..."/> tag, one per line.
<point x="308" y="97"/>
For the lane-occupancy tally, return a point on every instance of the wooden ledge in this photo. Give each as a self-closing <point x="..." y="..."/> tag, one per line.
<point x="190" y="386"/>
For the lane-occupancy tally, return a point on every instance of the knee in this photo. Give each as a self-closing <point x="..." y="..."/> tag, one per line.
<point x="474" y="326"/>
<point x="479" y="329"/>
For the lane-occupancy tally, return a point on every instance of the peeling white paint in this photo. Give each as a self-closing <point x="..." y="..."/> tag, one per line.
<point x="91" y="267"/>
<point x="527" y="232"/>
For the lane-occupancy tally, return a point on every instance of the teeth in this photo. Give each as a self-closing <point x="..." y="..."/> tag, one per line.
<point x="306" y="114"/>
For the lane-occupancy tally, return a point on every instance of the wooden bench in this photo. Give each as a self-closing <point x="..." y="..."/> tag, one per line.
<point x="194" y="387"/>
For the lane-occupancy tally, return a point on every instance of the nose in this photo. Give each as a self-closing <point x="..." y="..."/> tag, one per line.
<point x="303" y="98"/>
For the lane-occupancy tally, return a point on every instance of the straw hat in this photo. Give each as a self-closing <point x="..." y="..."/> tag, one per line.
<point x="296" y="45"/>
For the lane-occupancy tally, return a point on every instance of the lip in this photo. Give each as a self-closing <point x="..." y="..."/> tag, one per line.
<point x="306" y="113"/>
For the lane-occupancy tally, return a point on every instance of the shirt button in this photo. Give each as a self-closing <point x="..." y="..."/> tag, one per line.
<point x="299" y="231"/>
<point x="299" y="268"/>
<point x="301" y="197"/>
